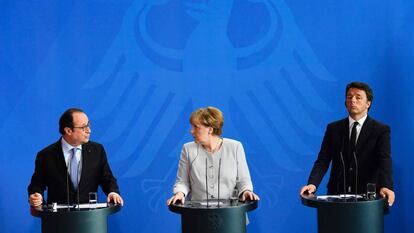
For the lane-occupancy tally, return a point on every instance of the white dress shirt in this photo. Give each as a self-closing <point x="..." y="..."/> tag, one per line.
<point x="359" y="126"/>
<point x="66" y="148"/>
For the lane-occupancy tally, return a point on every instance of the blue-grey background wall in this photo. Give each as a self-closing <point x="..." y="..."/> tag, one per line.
<point x="138" y="68"/>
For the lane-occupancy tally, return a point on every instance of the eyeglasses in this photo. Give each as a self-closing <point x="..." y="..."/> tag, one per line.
<point x="83" y="128"/>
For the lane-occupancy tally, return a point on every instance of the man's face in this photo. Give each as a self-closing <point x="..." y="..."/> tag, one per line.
<point x="357" y="103"/>
<point x="80" y="132"/>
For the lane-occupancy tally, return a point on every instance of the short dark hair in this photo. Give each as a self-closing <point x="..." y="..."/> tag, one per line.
<point x="66" y="120"/>
<point x="362" y="86"/>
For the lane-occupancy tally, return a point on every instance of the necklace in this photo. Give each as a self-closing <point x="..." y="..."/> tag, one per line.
<point x="217" y="147"/>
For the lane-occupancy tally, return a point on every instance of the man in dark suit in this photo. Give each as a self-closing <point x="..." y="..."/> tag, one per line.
<point x="358" y="146"/>
<point x="72" y="165"/>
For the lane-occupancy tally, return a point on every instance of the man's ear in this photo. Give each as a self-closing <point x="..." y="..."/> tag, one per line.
<point x="67" y="130"/>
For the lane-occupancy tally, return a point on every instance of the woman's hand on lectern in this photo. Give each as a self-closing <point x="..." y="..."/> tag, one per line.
<point x="35" y="199"/>
<point x="177" y="197"/>
<point x="249" y="195"/>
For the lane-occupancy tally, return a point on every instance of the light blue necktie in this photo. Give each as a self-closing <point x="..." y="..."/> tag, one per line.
<point x="74" y="169"/>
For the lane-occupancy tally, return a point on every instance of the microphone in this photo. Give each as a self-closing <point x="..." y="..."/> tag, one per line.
<point x="218" y="193"/>
<point x="356" y="174"/>
<point x="67" y="183"/>
<point x="344" y="170"/>
<point x="206" y="183"/>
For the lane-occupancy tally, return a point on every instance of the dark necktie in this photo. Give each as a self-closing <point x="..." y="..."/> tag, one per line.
<point x="74" y="172"/>
<point x="352" y="140"/>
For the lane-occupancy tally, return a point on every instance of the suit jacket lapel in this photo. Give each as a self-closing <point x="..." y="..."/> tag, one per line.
<point x="364" y="134"/>
<point x="345" y="137"/>
<point x="346" y="132"/>
<point x="60" y="162"/>
<point x="85" y="162"/>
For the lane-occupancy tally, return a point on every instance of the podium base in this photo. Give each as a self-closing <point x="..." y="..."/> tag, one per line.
<point x="230" y="220"/>
<point x="227" y="217"/>
<point x="81" y="222"/>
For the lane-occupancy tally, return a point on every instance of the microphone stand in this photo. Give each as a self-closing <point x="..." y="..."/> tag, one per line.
<point x="344" y="174"/>
<point x="67" y="184"/>
<point x="206" y="184"/>
<point x="218" y="194"/>
<point x="356" y="175"/>
<point x="77" y="179"/>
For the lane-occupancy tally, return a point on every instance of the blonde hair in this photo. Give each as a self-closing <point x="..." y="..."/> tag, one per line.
<point x="209" y="117"/>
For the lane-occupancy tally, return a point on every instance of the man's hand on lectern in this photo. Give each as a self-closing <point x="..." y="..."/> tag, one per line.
<point x="35" y="199"/>
<point x="389" y="194"/>
<point x="308" y="189"/>
<point x="115" y="198"/>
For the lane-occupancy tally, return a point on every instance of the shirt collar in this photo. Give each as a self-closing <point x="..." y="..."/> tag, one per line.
<point x="67" y="147"/>
<point x="360" y="121"/>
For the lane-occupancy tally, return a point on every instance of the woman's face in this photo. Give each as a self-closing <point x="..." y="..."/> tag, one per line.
<point x="201" y="133"/>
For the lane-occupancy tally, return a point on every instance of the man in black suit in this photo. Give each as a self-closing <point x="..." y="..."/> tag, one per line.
<point x="72" y="165"/>
<point x="358" y="146"/>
